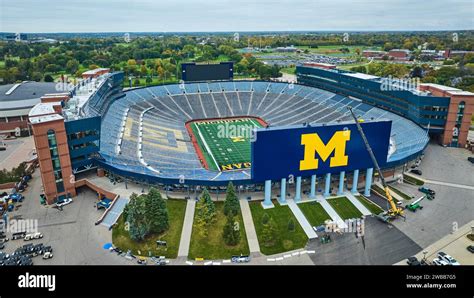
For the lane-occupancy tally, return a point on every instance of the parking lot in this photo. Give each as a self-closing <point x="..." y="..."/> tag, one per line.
<point x="71" y="233"/>
<point x="382" y="245"/>
<point x="452" y="208"/>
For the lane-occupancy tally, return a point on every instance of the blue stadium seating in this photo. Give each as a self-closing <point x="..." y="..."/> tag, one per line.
<point x="159" y="114"/>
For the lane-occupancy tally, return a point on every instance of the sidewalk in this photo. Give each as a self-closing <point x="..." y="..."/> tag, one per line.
<point x="301" y="219"/>
<point x="187" y="229"/>
<point x="357" y="203"/>
<point x="249" y="226"/>
<point x="335" y="217"/>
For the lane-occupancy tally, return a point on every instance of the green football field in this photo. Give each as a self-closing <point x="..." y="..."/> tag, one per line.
<point x="225" y="143"/>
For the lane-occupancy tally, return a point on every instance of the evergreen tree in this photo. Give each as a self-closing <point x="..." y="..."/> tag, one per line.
<point x="231" y="204"/>
<point x="156" y="212"/>
<point x="136" y="218"/>
<point x="210" y="208"/>
<point x="291" y="225"/>
<point x="265" y="218"/>
<point x="200" y="223"/>
<point x="231" y="233"/>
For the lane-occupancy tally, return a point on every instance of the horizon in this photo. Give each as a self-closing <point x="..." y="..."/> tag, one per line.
<point x="89" y="16"/>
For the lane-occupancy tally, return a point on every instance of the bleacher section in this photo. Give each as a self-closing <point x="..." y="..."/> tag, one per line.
<point x="150" y="122"/>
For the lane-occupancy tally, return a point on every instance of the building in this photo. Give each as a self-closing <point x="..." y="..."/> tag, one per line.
<point x="94" y="73"/>
<point x="290" y="49"/>
<point x="16" y="100"/>
<point x="451" y="54"/>
<point x="373" y="54"/>
<point x="67" y="133"/>
<point x="444" y="111"/>
<point x="320" y="65"/>
<point x="141" y="135"/>
<point x="399" y="54"/>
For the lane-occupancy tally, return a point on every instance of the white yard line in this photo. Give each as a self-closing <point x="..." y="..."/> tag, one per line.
<point x="207" y="146"/>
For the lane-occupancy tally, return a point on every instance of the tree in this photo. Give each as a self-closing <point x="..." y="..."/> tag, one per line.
<point x="136" y="219"/>
<point x="231" y="233"/>
<point x="210" y="208"/>
<point x="156" y="212"/>
<point x="269" y="232"/>
<point x="205" y="213"/>
<point x="265" y="218"/>
<point x="72" y="66"/>
<point x="231" y="203"/>
<point x="48" y="78"/>
<point x="291" y="225"/>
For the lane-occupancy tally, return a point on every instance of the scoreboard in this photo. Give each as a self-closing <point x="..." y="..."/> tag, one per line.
<point x="192" y="72"/>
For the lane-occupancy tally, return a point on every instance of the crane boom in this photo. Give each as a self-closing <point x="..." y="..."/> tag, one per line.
<point x="394" y="210"/>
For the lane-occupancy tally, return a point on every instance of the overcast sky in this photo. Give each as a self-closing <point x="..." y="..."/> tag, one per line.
<point x="233" y="15"/>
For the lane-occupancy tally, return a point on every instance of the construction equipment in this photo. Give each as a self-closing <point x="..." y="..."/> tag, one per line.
<point x="394" y="211"/>
<point x="415" y="205"/>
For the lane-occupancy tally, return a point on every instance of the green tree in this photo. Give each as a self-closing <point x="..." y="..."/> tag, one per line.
<point x="291" y="225"/>
<point x="136" y="219"/>
<point x="156" y="212"/>
<point x="72" y="66"/>
<point x="210" y="208"/>
<point x="265" y="218"/>
<point x="231" y="203"/>
<point x="231" y="233"/>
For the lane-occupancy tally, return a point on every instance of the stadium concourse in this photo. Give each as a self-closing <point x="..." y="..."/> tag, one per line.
<point x="144" y="135"/>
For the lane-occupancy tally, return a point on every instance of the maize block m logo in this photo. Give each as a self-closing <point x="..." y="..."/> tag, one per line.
<point x="313" y="144"/>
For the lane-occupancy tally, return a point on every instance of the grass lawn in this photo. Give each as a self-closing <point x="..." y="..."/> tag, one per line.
<point x="412" y="180"/>
<point x="285" y="240"/>
<point x="344" y="208"/>
<point x="400" y="193"/>
<point x="289" y="70"/>
<point x="213" y="246"/>
<point x="374" y="208"/>
<point x="314" y="213"/>
<point x="176" y="211"/>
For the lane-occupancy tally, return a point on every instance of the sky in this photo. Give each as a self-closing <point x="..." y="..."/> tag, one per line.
<point x="233" y="15"/>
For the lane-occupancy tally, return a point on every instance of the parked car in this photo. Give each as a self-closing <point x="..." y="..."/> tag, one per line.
<point x="470" y="248"/>
<point x="413" y="261"/>
<point x="450" y="260"/>
<point x="240" y="259"/>
<point x="416" y="171"/>
<point x="427" y="191"/>
<point x="32" y="236"/>
<point x="64" y="202"/>
<point x="161" y="260"/>
<point x="19" y="235"/>
<point x="47" y="255"/>
<point x="439" y="262"/>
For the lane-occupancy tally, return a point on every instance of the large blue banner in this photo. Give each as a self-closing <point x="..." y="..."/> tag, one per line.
<point x="318" y="149"/>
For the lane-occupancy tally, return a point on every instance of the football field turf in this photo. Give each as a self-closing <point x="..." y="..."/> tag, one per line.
<point x="224" y="144"/>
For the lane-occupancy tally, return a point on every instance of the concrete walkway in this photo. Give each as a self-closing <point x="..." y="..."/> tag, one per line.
<point x="249" y="226"/>
<point x="187" y="229"/>
<point x="357" y="203"/>
<point x="304" y="223"/>
<point x="335" y="217"/>
<point x="468" y="187"/>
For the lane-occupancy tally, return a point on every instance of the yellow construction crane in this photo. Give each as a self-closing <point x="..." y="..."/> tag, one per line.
<point x="394" y="210"/>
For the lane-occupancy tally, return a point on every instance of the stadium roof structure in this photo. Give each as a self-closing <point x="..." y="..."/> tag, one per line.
<point x="143" y="133"/>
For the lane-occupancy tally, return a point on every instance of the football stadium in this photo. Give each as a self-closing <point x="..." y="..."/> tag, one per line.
<point x="161" y="133"/>
<point x="257" y="134"/>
